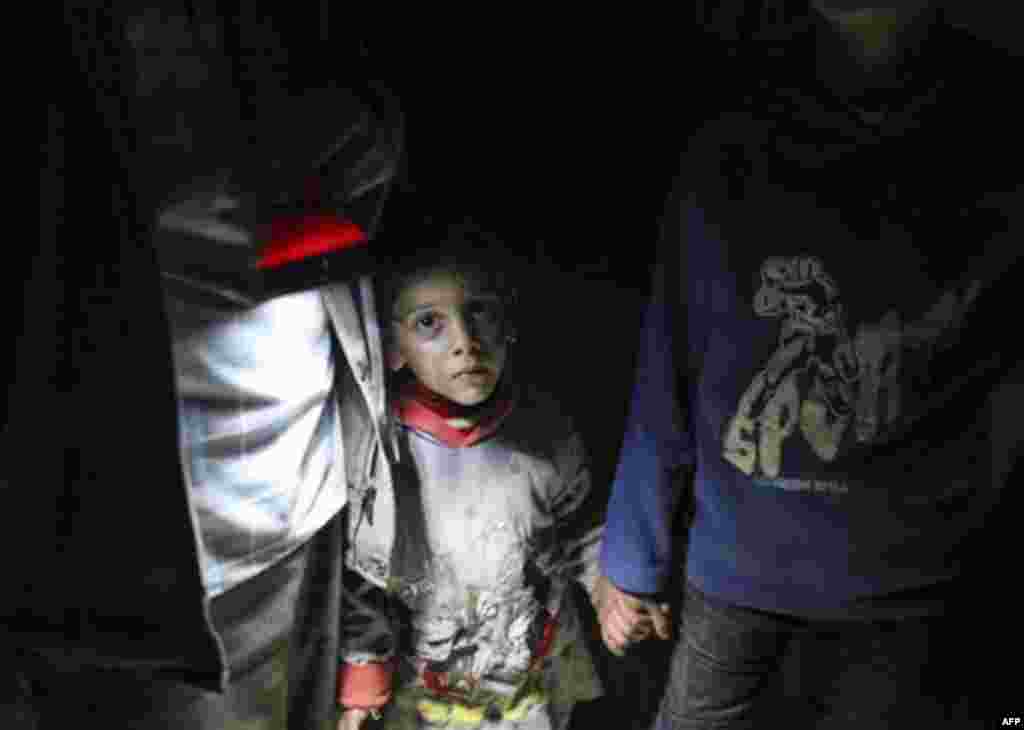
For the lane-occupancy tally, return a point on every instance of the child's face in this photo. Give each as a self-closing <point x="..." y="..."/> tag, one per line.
<point x="450" y="333"/>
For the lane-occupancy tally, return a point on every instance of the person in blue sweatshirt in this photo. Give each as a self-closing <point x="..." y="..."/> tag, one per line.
<point x="822" y="354"/>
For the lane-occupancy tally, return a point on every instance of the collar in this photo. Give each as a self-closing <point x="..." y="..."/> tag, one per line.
<point x="423" y="410"/>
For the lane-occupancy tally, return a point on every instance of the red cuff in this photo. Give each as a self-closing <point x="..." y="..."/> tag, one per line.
<point x="365" y="686"/>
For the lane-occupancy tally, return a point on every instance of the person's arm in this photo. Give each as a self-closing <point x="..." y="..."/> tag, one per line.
<point x="637" y="549"/>
<point x="367" y="647"/>
<point x="636" y="557"/>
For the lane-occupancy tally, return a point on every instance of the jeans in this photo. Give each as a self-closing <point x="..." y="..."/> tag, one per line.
<point x="740" y="668"/>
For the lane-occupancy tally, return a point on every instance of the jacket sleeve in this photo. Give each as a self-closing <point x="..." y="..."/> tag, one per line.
<point x="579" y="521"/>
<point x="367" y="644"/>
<point x="637" y="548"/>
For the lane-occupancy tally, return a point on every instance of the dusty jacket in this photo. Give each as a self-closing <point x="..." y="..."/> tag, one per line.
<point x="492" y="536"/>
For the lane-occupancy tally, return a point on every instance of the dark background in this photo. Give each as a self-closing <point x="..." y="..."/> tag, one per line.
<point x="560" y="131"/>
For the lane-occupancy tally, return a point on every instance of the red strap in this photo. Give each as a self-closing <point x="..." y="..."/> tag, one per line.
<point x="547" y="638"/>
<point x="294" y="238"/>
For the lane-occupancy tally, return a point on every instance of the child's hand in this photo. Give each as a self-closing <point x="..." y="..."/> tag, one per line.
<point x="352" y="719"/>
<point x="625" y="618"/>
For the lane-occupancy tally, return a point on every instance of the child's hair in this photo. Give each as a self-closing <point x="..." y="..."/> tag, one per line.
<point x="461" y="246"/>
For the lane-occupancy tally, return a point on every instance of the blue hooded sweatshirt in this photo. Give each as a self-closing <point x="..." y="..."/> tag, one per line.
<point x="819" y="357"/>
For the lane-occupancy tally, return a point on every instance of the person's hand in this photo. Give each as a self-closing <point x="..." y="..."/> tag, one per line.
<point x="352" y="719"/>
<point x="625" y="618"/>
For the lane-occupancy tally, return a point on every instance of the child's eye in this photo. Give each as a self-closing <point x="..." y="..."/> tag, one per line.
<point x="427" y="323"/>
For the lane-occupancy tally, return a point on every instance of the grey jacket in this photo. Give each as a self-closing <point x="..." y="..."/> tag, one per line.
<point x="468" y="553"/>
<point x="276" y="392"/>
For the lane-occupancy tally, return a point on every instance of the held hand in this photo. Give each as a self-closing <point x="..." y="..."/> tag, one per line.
<point x="625" y="618"/>
<point x="352" y="719"/>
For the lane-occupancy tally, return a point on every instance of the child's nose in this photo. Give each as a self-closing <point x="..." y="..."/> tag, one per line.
<point x="465" y="337"/>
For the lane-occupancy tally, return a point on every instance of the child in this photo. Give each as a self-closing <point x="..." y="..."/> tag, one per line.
<point x="459" y="608"/>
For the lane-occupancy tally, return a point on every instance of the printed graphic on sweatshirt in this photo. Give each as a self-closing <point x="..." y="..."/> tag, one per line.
<point x="822" y="381"/>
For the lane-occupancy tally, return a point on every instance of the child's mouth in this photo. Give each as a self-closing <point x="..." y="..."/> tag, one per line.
<point x="473" y="373"/>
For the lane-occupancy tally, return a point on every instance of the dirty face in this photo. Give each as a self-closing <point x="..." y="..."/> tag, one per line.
<point x="450" y="332"/>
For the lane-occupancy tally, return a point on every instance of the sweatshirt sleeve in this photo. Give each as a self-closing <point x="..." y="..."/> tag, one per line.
<point x="367" y="644"/>
<point x="637" y="549"/>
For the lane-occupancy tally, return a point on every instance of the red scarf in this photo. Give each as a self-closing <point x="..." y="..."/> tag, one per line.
<point x="419" y="407"/>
